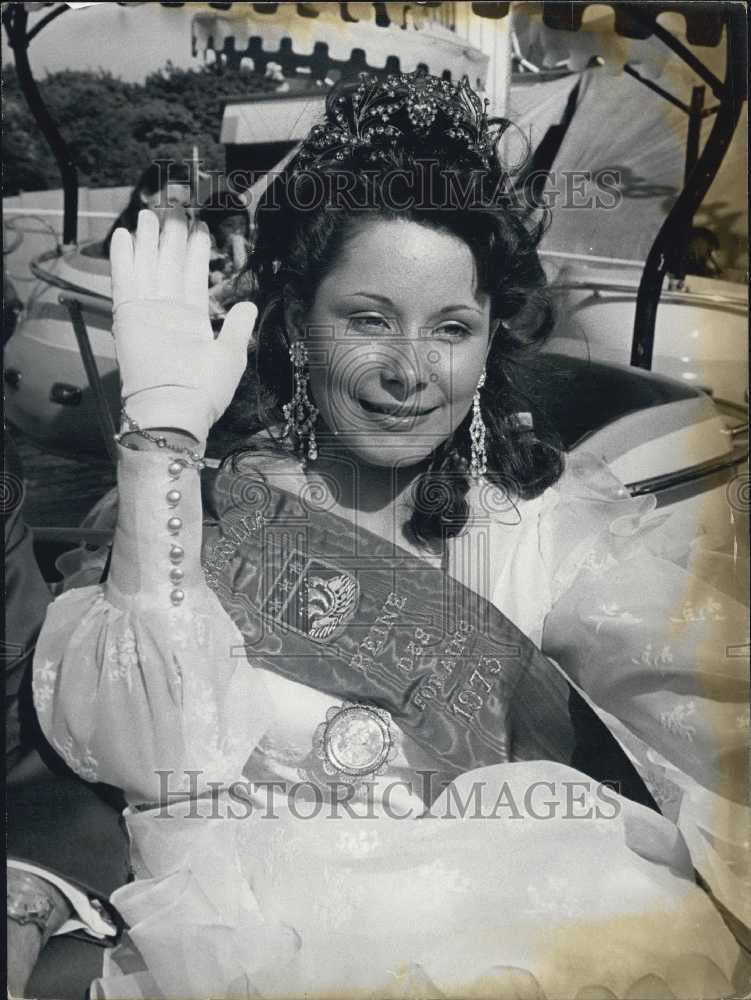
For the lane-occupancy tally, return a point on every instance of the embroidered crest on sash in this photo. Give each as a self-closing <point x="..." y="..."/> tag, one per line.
<point x="330" y="603"/>
<point x="312" y="596"/>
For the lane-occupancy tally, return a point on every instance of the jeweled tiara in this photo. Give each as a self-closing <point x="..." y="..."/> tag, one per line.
<point x="365" y="121"/>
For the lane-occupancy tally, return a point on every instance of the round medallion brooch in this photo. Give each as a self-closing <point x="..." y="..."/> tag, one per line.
<point x="354" y="742"/>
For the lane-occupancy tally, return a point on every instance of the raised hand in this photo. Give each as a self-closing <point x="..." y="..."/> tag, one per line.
<point x="174" y="373"/>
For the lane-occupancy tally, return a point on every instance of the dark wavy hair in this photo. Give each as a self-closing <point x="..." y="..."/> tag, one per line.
<point x="435" y="177"/>
<point x="154" y="178"/>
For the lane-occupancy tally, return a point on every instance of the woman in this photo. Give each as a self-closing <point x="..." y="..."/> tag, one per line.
<point x="160" y="187"/>
<point x="345" y="651"/>
<point x="226" y="215"/>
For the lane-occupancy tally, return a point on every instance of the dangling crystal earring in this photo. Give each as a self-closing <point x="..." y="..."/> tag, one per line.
<point x="478" y="461"/>
<point x="300" y="413"/>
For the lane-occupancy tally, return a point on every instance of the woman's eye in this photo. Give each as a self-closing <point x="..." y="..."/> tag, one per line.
<point x="453" y="331"/>
<point x="368" y="323"/>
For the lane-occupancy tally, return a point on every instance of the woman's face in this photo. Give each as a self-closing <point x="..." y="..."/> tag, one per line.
<point x="397" y="338"/>
<point x="170" y="196"/>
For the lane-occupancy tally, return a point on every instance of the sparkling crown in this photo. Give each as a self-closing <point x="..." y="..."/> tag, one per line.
<point x="379" y="110"/>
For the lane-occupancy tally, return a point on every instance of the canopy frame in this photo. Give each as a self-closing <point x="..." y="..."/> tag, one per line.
<point x="675" y="226"/>
<point x="15" y="19"/>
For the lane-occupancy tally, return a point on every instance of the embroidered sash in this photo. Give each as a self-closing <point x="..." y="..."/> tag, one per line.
<point x="328" y="604"/>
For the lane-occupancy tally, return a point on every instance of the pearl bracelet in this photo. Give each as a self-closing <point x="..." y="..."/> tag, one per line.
<point x="194" y="457"/>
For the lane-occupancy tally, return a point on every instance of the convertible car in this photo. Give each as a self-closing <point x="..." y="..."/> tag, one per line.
<point x="663" y="437"/>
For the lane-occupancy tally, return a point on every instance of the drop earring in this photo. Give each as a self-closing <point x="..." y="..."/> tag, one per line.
<point x="300" y="413"/>
<point x="478" y="459"/>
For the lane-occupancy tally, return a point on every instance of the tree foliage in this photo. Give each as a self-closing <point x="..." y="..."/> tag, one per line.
<point x="114" y="129"/>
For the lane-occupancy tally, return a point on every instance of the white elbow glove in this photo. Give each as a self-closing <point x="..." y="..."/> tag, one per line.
<point x="174" y="373"/>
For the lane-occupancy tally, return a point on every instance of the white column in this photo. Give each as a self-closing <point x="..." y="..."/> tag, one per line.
<point x="493" y="37"/>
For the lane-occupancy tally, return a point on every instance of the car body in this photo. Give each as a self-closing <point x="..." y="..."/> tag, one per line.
<point x="47" y="393"/>
<point x="701" y="333"/>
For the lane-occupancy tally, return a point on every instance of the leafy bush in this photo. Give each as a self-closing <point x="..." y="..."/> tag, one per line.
<point x="114" y="129"/>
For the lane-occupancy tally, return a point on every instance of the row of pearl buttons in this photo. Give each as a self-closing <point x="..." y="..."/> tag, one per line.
<point x="174" y="525"/>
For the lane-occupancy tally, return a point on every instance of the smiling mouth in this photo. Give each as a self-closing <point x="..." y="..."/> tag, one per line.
<point x="394" y="411"/>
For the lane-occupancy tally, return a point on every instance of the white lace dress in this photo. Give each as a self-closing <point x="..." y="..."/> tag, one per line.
<point x="546" y="886"/>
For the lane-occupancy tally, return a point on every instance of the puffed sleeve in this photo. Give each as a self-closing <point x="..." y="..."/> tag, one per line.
<point x="648" y="626"/>
<point x="142" y="680"/>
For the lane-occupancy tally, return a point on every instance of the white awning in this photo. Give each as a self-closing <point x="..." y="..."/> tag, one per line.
<point x="271" y="119"/>
<point x="287" y="36"/>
